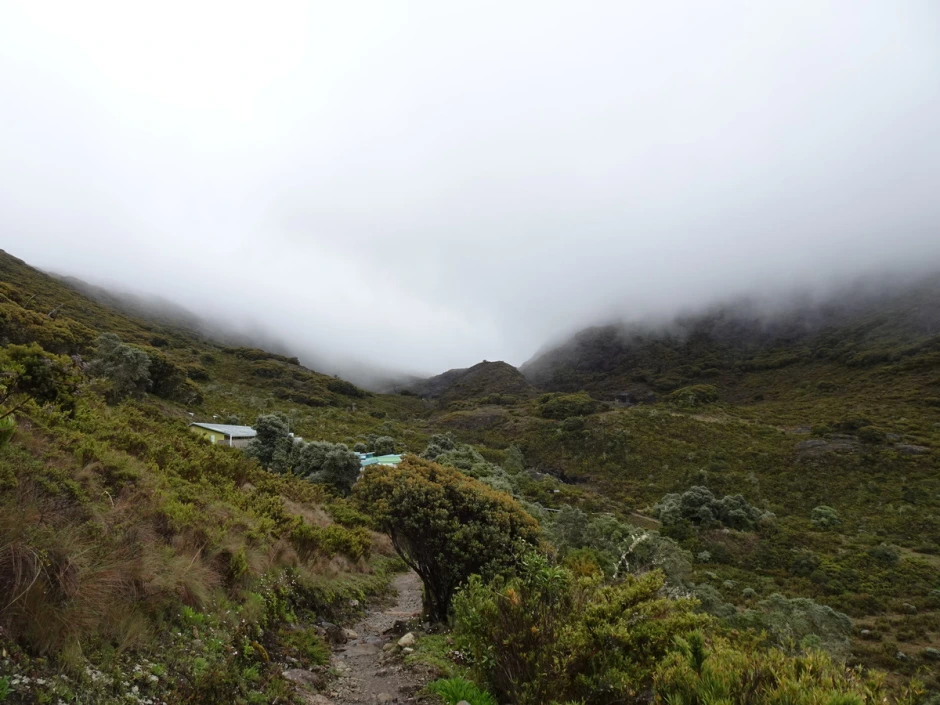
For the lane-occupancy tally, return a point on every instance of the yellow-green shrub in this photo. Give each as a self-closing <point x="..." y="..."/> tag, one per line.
<point x="719" y="672"/>
<point x="547" y="636"/>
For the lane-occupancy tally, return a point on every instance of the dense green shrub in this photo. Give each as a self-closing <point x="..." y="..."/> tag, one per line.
<point x="340" y="468"/>
<point x="561" y="406"/>
<point x="29" y="373"/>
<point x="885" y="553"/>
<point x="545" y="636"/>
<point x="7" y="428"/>
<point x="696" y="395"/>
<point x="341" y="386"/>
<point x="319" y="461"/>
<point x="800" y="621"/>
<point x="618" y="547"/>
<point x="383" y="445"/>
<point x="468" y="460"/>
<point x="824" y="517"/>
<point x="872" y="434"/>
<point x="445" y="525"/>
<point x="197" y="373"/>
<point x="310" y="540"/>
<point x="126" y="368"/>
<point x="167" y="379"/>
<point x="272" y="445"/>
<point x="700" y="674"/>
<point x="573" y="424"/>
<point x="698" y="506"/>
<point x="256" y="354"/>
<point x="438" y="443"/>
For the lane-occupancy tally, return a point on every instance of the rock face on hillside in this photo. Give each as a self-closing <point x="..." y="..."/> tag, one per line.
<point x="485" y="381"/>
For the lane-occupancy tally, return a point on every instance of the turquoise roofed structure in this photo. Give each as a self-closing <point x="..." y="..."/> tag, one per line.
<point x="380" y="460"/>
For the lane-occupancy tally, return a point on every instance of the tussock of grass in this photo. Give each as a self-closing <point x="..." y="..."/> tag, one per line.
<point x="454" y="690"/>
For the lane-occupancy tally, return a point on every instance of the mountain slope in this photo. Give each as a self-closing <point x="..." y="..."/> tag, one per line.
<point x="234" y="381"/>
<point x="138" y="563"/>
<point x="857" y="329"/>
<point x="486" y="381"/>
<point x="834" y="407"/>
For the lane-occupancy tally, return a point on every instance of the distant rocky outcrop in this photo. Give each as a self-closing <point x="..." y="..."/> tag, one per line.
<point x="485" y="382"/>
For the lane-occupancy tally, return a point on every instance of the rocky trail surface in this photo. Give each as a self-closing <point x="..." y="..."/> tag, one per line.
<point x="369" y="663"/>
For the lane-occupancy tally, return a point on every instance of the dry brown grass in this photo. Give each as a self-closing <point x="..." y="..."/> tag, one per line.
<point x="311" y="514"/>
<point x="382" y="544"/>
<point x="57" y="585"/>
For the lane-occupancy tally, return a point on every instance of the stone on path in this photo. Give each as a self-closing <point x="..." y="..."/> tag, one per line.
<point x="335" y="634"/>
<point x="300" y="676"/>
<point x="407" y="640"/>
<point x="310" y="699"/>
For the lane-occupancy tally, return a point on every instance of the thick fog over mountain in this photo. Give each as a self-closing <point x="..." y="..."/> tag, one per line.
<point x="421" y="185"/>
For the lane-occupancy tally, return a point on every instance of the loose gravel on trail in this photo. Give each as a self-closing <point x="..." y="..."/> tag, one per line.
<point x="369" y="674"/>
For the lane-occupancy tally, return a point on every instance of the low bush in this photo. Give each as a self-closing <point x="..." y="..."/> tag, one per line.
<point x="824" y="518"/>
<point x="872" y="434"/>
<point x="125" y="368"/>
<point x="383" y="445"/>
<point x="545" y="636"/>
<point x="276" y="449"/>
<point x="30" y="374"/>
<point x="800" y="622"/>
<point x="719" y="672"/>
<point x="456" y="690"/>
<point x="696" y="395"/>
<point x="561" y="406"/>
<point x="618" y="548"/>
<point x="699" y="507"/>
<point x="341" y="386"/>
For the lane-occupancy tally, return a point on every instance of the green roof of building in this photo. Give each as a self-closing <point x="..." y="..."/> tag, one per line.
<point x="381" y="460"/>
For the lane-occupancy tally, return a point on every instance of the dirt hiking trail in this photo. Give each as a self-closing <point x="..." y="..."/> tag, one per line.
<point x="371" y="672"/>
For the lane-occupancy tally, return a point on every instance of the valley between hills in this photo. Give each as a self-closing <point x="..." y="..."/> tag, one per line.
<point x="749" y="484"/>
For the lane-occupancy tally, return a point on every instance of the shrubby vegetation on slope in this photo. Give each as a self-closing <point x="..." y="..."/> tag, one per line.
<point x="545" y="636"/>
<point x="702" y="674"/>
<point x="122" y="511"/>
<point x="318" y="461"/>
<point x="614" y="547"/>
<point x="135" y="558"/>
<point x="699" y="507"/>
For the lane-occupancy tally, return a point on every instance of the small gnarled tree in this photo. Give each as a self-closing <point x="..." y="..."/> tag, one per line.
<point x="445" y="525"/>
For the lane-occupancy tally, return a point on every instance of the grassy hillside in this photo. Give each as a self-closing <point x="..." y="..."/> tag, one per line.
<point x="833" y="407"/>
<point x="140" y="562"/>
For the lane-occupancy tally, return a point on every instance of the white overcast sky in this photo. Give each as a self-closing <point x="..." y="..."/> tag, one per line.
<point x="426" y="184"/>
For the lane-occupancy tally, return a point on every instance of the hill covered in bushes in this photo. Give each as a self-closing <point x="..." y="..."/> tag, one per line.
<point x="760" y="491"/>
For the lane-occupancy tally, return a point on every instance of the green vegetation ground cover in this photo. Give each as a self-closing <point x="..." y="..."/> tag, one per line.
<point x="225" y="535"/>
